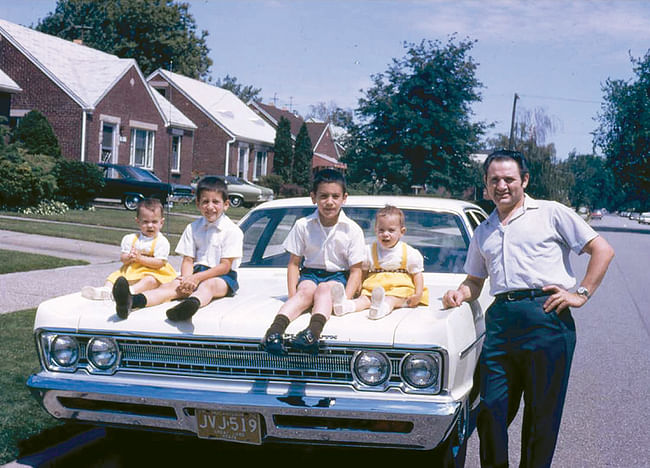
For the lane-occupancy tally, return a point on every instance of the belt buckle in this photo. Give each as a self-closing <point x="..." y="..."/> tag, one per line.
<point x="510" y="296"/>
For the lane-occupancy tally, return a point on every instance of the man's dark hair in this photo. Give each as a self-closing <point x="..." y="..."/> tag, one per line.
<point x="327" y="176"/>
<point x="213" y="184"/>
<point x="504" y="154"/>
<point x="151" y="204"/>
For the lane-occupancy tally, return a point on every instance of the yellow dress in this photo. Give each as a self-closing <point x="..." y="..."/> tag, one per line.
<point x="135" y="271"/>
<point x="397" y="283"/>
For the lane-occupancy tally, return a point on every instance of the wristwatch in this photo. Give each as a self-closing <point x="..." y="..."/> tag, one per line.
<point x="583" y="291"/>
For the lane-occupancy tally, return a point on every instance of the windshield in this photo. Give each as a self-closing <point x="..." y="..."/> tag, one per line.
<point x="143" y="174"/>
<point x="440" y="236"/>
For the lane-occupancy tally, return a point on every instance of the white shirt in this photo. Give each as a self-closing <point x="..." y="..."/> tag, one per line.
<point x="532" y="250"/>
<point x="391" y="259"/>
<point x="208" y="243"/>
<point x="144" y="243"/>
<point x="335" y="250"/>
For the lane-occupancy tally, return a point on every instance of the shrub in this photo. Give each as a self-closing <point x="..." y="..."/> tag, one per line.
<point x="22" y="185"/>
<point x="46" y="208"/>
<point x="292" y="190"/>
<point x="272" y="181"/>
<point x="78" y="182"/>
<point x="35" y="134"/>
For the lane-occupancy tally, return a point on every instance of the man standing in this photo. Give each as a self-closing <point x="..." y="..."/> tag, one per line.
<point x="524" y="248"/>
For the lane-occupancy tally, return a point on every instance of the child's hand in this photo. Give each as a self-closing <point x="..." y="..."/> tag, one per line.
<point x="414" y="300"/>
<point x="188" y="285"/>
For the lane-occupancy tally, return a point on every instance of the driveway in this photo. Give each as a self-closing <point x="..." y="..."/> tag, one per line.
<point x="25" y="290"/>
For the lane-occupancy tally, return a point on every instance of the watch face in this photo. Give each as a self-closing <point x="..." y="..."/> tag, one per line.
<point x="583" y="291"/>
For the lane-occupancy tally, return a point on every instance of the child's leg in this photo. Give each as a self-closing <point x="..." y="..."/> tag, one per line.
<point x="161" y="294"/>
<point x="361" y="303"/>
<point x="206" y="291"/>
<point x="382" y="305"/>
<point x="144" y="284"/>
<point x="341" y="305"/>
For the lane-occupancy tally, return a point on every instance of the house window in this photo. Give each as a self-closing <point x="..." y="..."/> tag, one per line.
<point x="259" y="169"/>
<point x="176" y="153"/>
<point x="142" y="148"/>
<point x="242" y="163"/>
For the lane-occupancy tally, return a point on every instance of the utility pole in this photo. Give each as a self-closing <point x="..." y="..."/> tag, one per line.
<point x="511" y="142"/>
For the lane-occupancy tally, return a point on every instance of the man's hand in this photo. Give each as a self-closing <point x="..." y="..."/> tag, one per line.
<point x="452" y="298"/>
<point x="561" y="299"/>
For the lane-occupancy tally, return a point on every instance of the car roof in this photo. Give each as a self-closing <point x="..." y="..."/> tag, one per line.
<point x="379" y="201"/>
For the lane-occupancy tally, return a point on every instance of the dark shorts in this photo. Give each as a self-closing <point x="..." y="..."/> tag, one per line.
<point x="322" y="276"/>
<point x="229" y="278"/>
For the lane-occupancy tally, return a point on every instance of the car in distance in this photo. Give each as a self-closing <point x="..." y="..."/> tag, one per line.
<point x="405" y="381"/>
<point x="597" y="214"/>
<point x="644" y="218"/>
<point x="130" y="184"/>
<point x="584" y="213"/>
<point x="243" y="192"/>
<point x="634" y="215"/>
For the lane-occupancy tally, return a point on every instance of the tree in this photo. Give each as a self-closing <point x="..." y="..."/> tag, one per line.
<point x="331" y="113"/>
<point x="283" y="151"/>
<point x="415" y="119"/>
<point x="245" y="93"/>
<point x="624" y="132"/>
<point x="592" y="182"/>
<point x="302" y="158"/>
<point x="156" y="33"/>
<point x="35" y="134"/>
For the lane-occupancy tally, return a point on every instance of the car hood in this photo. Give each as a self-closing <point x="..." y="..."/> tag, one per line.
<point x="247" y="316"/>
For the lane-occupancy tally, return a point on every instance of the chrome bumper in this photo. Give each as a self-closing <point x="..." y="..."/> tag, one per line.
<point x="311" y="413"/>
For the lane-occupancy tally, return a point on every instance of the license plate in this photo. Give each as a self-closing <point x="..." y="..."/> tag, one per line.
<point x="229" y="425"/>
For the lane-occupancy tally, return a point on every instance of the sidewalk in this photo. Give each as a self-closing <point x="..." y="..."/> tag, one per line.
<point x="25" y="290"/>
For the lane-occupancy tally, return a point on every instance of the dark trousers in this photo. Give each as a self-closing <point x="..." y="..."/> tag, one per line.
<point x="526" y="351"/>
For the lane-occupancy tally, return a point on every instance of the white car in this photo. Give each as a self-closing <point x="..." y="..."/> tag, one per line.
<point x="644" y="218"/>
<point x="404" y="381"/>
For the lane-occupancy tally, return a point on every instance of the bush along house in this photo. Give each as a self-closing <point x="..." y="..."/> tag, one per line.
<point x="326" y="151"/>
<point x="99" y="105"/>
<point x="230" y="139"/>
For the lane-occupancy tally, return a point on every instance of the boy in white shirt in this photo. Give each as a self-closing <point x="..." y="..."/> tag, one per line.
<point x="212" y="247"/>
<point x="326" y="249"/>
<point x="394" y="271"/>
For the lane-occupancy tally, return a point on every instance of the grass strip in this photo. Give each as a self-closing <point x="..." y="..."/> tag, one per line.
<point x="21" y="417"/>
<point x="12" y="261"/>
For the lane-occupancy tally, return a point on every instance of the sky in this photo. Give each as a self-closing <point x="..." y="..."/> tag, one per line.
<point x="555" y="55"/>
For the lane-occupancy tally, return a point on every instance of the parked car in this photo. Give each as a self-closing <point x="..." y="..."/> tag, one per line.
<point x="644" y="218"/>
<point x="634" y="215"/>
<point x="405" y="381"/>
<point x="243" y="192"/>
<point x="584" y="213"/>
<point x="130" y="184"/>
<point x="597" y="214"/>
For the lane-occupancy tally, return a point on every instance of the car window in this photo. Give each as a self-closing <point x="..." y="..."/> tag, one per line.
<point x="441" y="237"/>
<point x="475" y="218"/>
<point x="142" y="174"/>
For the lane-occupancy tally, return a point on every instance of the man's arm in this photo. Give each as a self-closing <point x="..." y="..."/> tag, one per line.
<point x="468" y="290"/>
<point x="601" y="254"/>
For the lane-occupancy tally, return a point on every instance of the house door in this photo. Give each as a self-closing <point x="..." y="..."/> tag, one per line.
<point x="108" y="153"/>
<point x="242" y="163"/>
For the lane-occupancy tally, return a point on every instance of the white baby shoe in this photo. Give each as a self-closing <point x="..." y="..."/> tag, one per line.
<point x="96" y="294"/>
<point x="341" y="305"/>
<point x="378" y="306"/>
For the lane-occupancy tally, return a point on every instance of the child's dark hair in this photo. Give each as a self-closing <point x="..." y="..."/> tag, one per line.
<point x="390" y="210"/>
<point x="327" y="176"/>
<point x="212" y="184"/>
<point x="151" y="204"/>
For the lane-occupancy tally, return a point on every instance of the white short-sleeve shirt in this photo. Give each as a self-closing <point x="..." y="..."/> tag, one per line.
<point x="144" y="243"/>
<point x="336" y="249"/>
<point x="532" y="250"/>
<point x="208" y="243"/>
<point x="391" y="259"/>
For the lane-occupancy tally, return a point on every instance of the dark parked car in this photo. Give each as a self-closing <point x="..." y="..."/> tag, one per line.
<point x="129" y="184"/>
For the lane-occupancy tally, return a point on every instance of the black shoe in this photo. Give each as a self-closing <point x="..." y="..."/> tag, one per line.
<point x="184" y="309"/>
<point x="274" y="344"/>
<point x="123" y="297"/>
<point x="305" y="342"/>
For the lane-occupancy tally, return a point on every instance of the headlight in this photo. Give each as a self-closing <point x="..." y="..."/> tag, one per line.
<point x="421" y="370"/>
<point x="64" y="351"/>
<point x="102" y="352"/>
<point x="372" y="368"/>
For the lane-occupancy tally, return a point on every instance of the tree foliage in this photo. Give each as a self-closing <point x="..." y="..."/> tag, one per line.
<point x="35" y="134"/>
<point x="246" y="93"/>
<point x="302" y="158"/>
<point x="330" y="112"/>
<point x="623" y="133"/>
<point x="283" y="151"/>
<point x="592" y="182"/>
<point x="415" y="120"/>
<point x="156" y="33"/>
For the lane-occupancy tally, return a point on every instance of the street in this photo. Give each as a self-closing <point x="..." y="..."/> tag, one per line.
<point x="605" y="417"/>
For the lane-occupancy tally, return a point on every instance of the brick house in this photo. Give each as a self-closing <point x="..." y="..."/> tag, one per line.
<point x="230" y="139"/>
<point x="327" y="153"/>
<point x="99" y="105"/>
<point x="7" y="88"/>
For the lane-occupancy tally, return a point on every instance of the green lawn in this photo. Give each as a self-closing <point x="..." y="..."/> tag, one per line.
<point x="21" y="417"/>
<point x="12" y="261"/>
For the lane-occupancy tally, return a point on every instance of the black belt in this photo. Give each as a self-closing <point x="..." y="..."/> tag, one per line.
<point x="520" y="294"/>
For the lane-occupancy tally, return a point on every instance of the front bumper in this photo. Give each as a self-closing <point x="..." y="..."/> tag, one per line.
<point x="305" y="413"/>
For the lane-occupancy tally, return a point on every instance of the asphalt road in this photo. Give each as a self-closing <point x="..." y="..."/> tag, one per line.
<point x="605" y="418"/>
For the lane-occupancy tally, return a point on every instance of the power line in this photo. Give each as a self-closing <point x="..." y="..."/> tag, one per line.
<point x="553" y="98"/>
